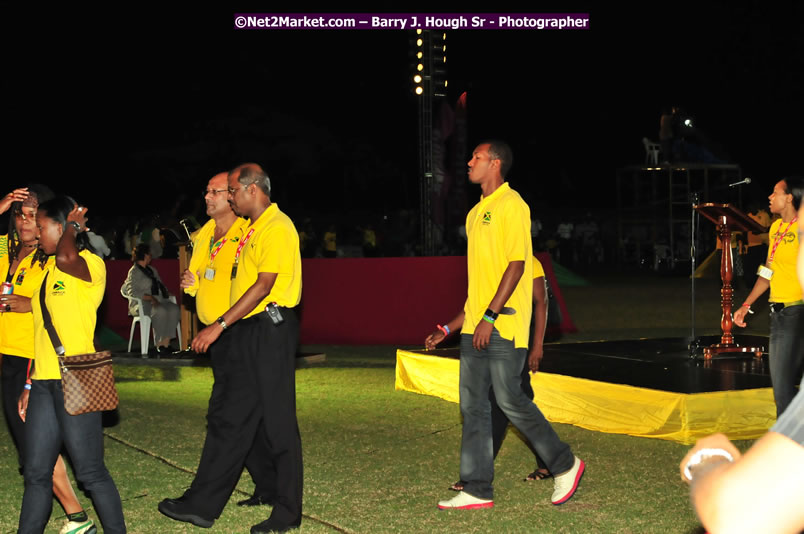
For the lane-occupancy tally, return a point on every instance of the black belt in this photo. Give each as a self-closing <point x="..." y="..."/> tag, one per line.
<point x="263" y="316"/>
<point x="776" y="307"/>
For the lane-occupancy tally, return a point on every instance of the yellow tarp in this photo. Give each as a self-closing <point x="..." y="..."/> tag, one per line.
<point x="613" y="408"/>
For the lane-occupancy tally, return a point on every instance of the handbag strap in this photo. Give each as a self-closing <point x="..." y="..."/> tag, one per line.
<point x="54" y="337"/>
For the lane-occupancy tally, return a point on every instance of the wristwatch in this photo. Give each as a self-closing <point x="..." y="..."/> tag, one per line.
<point x="75" y="225"/>
<point x="221" y="322"/>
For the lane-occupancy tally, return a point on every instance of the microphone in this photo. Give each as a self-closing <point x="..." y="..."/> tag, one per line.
<point x="741" y="182"/>
<point x="183" y="224"/>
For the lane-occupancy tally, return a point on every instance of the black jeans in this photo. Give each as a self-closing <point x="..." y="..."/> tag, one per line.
<point x="15" y="371"/>
<point x="786" y="353"/>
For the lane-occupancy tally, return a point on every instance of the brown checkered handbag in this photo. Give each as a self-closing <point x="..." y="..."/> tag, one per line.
<point x="87" y="380"/>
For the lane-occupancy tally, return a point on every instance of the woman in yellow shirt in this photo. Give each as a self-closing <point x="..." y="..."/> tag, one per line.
<point x="72" y="290"/>
<point x="21" y="264"/>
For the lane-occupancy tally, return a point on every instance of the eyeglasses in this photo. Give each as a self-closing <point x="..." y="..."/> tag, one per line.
<point x="214" y="192"/>
<point x="232" y="191"/>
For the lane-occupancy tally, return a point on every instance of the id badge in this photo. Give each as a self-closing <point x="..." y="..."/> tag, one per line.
<point x="765" y="272"/>
<point x="209" y="274"/>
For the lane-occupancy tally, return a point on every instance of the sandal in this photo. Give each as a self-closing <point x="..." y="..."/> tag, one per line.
<point x="458" y="486"/>
<point x="538" y="475"/>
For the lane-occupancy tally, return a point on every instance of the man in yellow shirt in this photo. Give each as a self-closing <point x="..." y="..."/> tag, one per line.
<point x="499" y="422"/>
<point x="786" y="344"/>
<point x="261" y="396"/>
<point x="494" y="335"/>
<point x="208" y="279"/>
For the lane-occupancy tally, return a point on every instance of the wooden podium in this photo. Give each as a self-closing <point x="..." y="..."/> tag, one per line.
<point x="727" y="219"/>
<point x="189" y="323"/>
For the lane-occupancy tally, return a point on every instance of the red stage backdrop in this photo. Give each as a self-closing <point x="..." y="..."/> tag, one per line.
<point x="353" y="301"/>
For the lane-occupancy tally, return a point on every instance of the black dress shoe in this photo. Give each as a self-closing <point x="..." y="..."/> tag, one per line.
<point x="177" y="509"/>
<point x="270" y="525"/>
<point x="256" y="500"/>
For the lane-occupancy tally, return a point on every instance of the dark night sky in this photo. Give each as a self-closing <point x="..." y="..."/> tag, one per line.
<point x="131" y="109"/>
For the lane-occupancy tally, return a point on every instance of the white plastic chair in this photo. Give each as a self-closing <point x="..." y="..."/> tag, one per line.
<point x="651" y="151"/>
<point x="145" y="324"/>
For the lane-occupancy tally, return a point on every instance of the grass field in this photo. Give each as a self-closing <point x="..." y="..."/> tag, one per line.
<point x="377" y="460"/>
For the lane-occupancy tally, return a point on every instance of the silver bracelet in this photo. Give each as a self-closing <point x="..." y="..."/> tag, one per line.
<point x="701" y="455"/>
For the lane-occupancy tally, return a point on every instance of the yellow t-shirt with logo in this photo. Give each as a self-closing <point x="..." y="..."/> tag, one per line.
<point x="784" y="286"/>
<point x="212" y="296"/>
<point x="17" y="329"/>
<point x="273" y="247"/>
<point x="498" y="232"/>
<point x="73" y="306"/>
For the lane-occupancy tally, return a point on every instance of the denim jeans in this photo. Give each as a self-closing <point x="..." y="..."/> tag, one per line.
<point x="47" y="427"/>
<point x="499" y="366"/>
<point x="786" y="354"/>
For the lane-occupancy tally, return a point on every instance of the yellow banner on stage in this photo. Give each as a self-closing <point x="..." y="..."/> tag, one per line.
<point x="613" y="408"/>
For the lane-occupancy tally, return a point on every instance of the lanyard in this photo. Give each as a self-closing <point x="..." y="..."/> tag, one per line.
<point x="779" y="238"/>
<point x="213" y="253"/>
<point x="241" y="245"/>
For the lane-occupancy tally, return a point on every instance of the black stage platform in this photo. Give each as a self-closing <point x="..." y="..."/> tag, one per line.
<point x="663" y="364"/>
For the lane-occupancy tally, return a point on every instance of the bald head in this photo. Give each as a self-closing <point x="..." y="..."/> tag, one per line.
<point x="216" y="197"/>
<point x="251" y="173"/>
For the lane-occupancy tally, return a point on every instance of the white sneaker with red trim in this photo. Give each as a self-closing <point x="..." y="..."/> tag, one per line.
<point x="567" y="483"/>
<point x="464" y="501"/>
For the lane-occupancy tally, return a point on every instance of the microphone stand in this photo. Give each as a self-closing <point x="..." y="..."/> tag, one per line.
<point x="694" y="343"/>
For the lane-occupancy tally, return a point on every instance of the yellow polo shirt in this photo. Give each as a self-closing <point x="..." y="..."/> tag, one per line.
<point x="212" y="296"/>
<point x="17" y="329"/>
<point x="538" y="269"/>
<point x="73" y="306"/>
<point x="273" y="247"/>
<point x="498" y="232"/>
<point x="784" y="286"/>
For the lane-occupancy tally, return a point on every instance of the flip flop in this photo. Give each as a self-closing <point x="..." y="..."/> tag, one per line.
<point x="538" y="475"/>
<point x="458" y="486"/>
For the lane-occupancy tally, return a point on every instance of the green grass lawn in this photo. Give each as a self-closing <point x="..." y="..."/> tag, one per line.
<point x="377" y="460"/>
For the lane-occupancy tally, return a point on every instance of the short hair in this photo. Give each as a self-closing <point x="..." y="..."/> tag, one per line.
<point x="501" y="151"/>
<point x="140" y="251"/>
<point x="794" y="185"/>
<point x="251" y="173"/>
<point x="57" y="209"/>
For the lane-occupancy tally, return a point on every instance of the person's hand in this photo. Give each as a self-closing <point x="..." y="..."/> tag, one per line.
<point x="534" y="358"/>
<point x="739" y="316"/>
<point x="433" y="339"/>
<point x="715" y="441"/>
<point x="480" y="340"/>
<point x="188" y="279"/>
<point x="18" y="195"/>
<point x="22" y="404"/>
<point x="206" y="337"/>
<point x="79" y="215"/>
<point x="15" y="303"/>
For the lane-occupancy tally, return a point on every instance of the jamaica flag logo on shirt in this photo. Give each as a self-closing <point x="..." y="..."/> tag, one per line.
<point x="58" y="288"/>
<point x="487" y="218"/>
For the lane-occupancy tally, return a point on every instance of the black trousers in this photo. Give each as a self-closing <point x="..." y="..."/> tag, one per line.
<point x="15" y="370"/>
<point x="257" y="397"/>
<point x="259" y="463"/>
